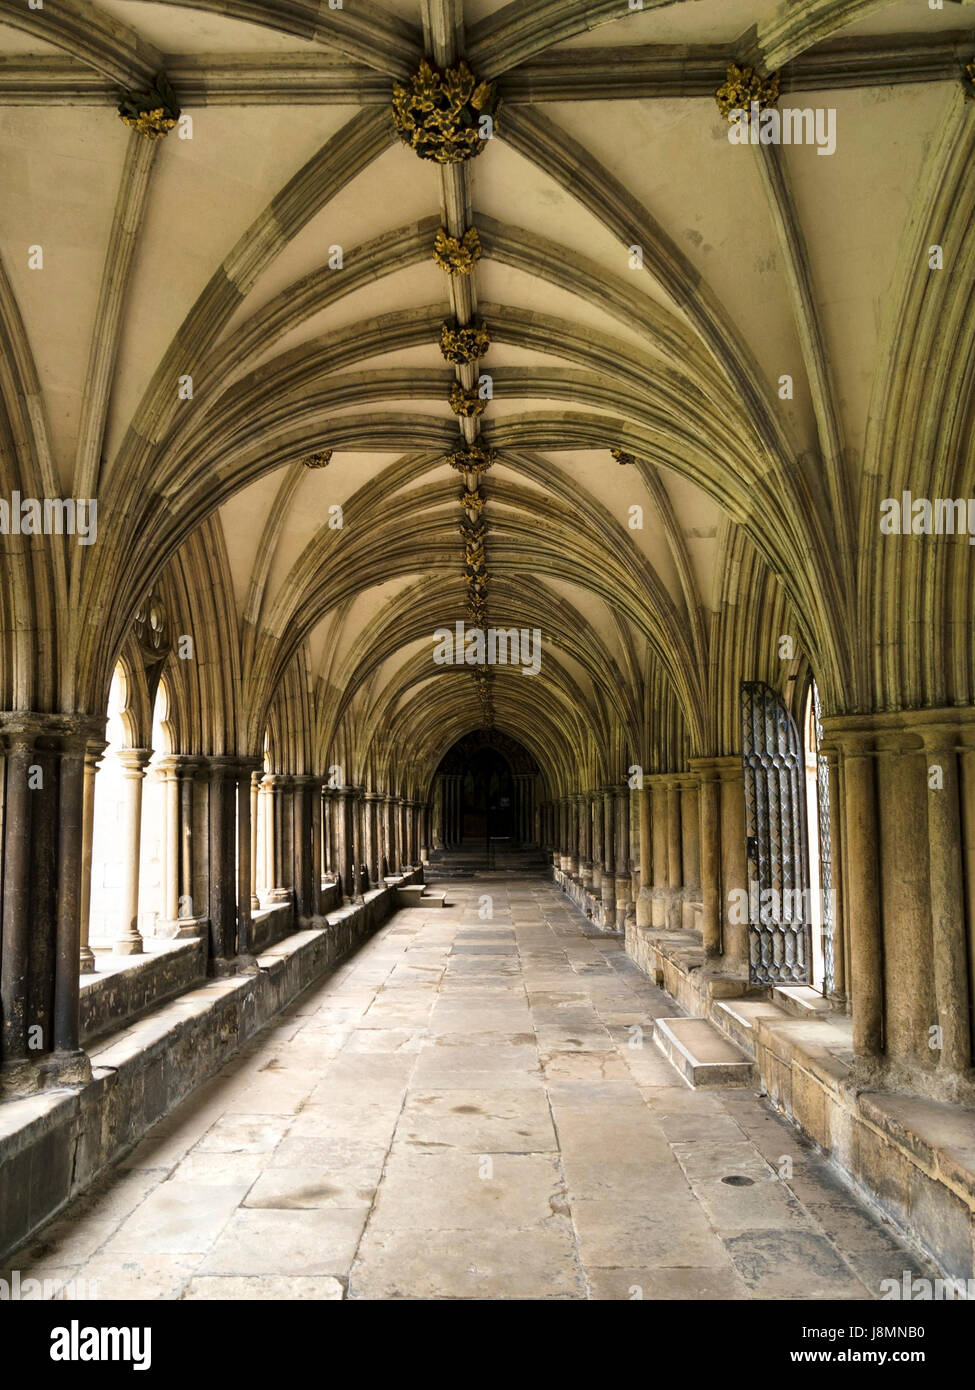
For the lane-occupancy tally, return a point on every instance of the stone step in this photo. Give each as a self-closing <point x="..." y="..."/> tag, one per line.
<point x="418" y="895"/>
<point x="800" y="1000"/>
<point x="702" y="1054"/>
<point x="736" y="1019"/>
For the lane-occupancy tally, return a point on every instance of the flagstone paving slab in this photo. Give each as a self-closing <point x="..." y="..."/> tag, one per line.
<point x="470" y="1108"/>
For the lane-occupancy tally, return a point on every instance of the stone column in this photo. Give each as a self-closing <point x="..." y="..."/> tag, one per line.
<point x="71" y="795"/>
<point x="302" y="848"/>
<point x="404" y="822"/>
<point x="280" y="886"/>
<point x="168" y="770"/>
<point x="223" y="780"/>
<point x="734" y="868"/>
<point x="93" y="757"/>
<point x="425" y="829"/>
<point x="863" y="895"/>
<point x="15" y="958"/>
<point x="585" y="806"/>
<point x="644" y="915"/>
<point x="947" y="896"/>
<point x="609" y="857"/>
<point x="658" y="819"/>
<point x="267" y="802"/>
<point x="623" y="880"/>
<point x="133" y="762"/>
<point x="675" y="875"/>
<point x="633" y="847"/>
<point x="356" y="804"/>
<point x="709" y="820"/>
<point x="839" y="997"/>
<point x="190" y="913"/>
<point x="389" y="848"/>
<point x="575" y="867"/>
<point x="245" y="848"/>
<point x="372" y="839"/>
<point x="255" y="788"/>
<point x="596" y="808"/>
<point x="346" y="848"/>
<point x="396" y="821"/>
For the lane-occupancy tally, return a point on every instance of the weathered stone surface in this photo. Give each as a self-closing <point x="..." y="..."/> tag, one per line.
<point x="479" y="1162"/>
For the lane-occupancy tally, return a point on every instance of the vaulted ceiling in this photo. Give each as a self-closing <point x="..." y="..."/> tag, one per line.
<point x="282" y="257"/>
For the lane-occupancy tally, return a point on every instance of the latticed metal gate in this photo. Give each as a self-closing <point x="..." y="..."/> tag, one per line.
<point x="775" y="826"/>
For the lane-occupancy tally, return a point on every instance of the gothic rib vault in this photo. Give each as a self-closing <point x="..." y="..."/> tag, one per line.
<point x="251" y="348"/>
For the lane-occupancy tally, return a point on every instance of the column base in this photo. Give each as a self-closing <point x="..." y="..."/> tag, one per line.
<point x="128" y="946"/>
<point x="189" y="928"/>
<point x="27" y="1076"/>
<point x="86" y="961"/>
<point x="221" y="969"/>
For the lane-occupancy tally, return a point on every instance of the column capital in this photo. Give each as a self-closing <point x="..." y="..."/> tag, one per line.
<point x="275" y="780"/>
<point x="222" y="765"/>
<point x="134" y="761"/>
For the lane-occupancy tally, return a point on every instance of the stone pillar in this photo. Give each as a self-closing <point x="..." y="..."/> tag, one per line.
<point x="389" y="848"/>
<point x="596" y="803"/>
<point x="585" y="807"/>
<point x="93" y="757"/>
<point x="425" y="831"/>
<point x="356" y="804"/>
<point x="372" y="839"/>
<point x="16" y="939"/>
<point x="633" y="848"/>
<point x="280" y="886"/>
<point x="303" y="856"/>
<point x="950" y="952"/>
<point x="223" y="781"/>
<point x="346" y="848"/>
<point x="245" y="848"/>
<point x="71" y="796"/>
<point x="623" y="880"/>
<point x="133" y="762"/>
<point x="609" y="857"/>
<point x="267" y="801"/>
<point x="644" y="902"/>
<point x="863" y="896"/>
<point x="709" y="821"/>
<point x="734" y="868"/>
<point x="167" y="771"/>
<point x="839" y="998"/>
<point x="404" y="821"/>
<point x="575" y="867"/>
<point x="690" y="837"/>
<point x="658" y="802"/>
<point x="190" y="912"/>
<point x="255" y="787"/>
<point x="675" y="874"/>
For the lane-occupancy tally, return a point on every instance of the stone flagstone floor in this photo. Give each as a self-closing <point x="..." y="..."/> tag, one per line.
<point x="465" y="1110"/>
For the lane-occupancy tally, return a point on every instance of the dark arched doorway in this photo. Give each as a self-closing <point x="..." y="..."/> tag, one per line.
<point x="487" y="794"/>
<point x="484" y="795"/>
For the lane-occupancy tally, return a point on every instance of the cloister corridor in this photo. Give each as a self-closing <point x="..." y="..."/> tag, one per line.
<point x="470" y="1107"/>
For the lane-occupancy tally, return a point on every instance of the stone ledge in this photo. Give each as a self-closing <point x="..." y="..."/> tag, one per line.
<point x="53" y="1144"/>
<point x="124" y="987"/>
<point x="911" y="1158"/>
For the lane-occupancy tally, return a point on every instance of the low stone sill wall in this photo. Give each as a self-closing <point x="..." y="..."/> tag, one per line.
<point x="585" y="900"/>
<point x="911" y="1158"/>
<point x="123" y="987"/>
<point x="53" y="1144"/>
